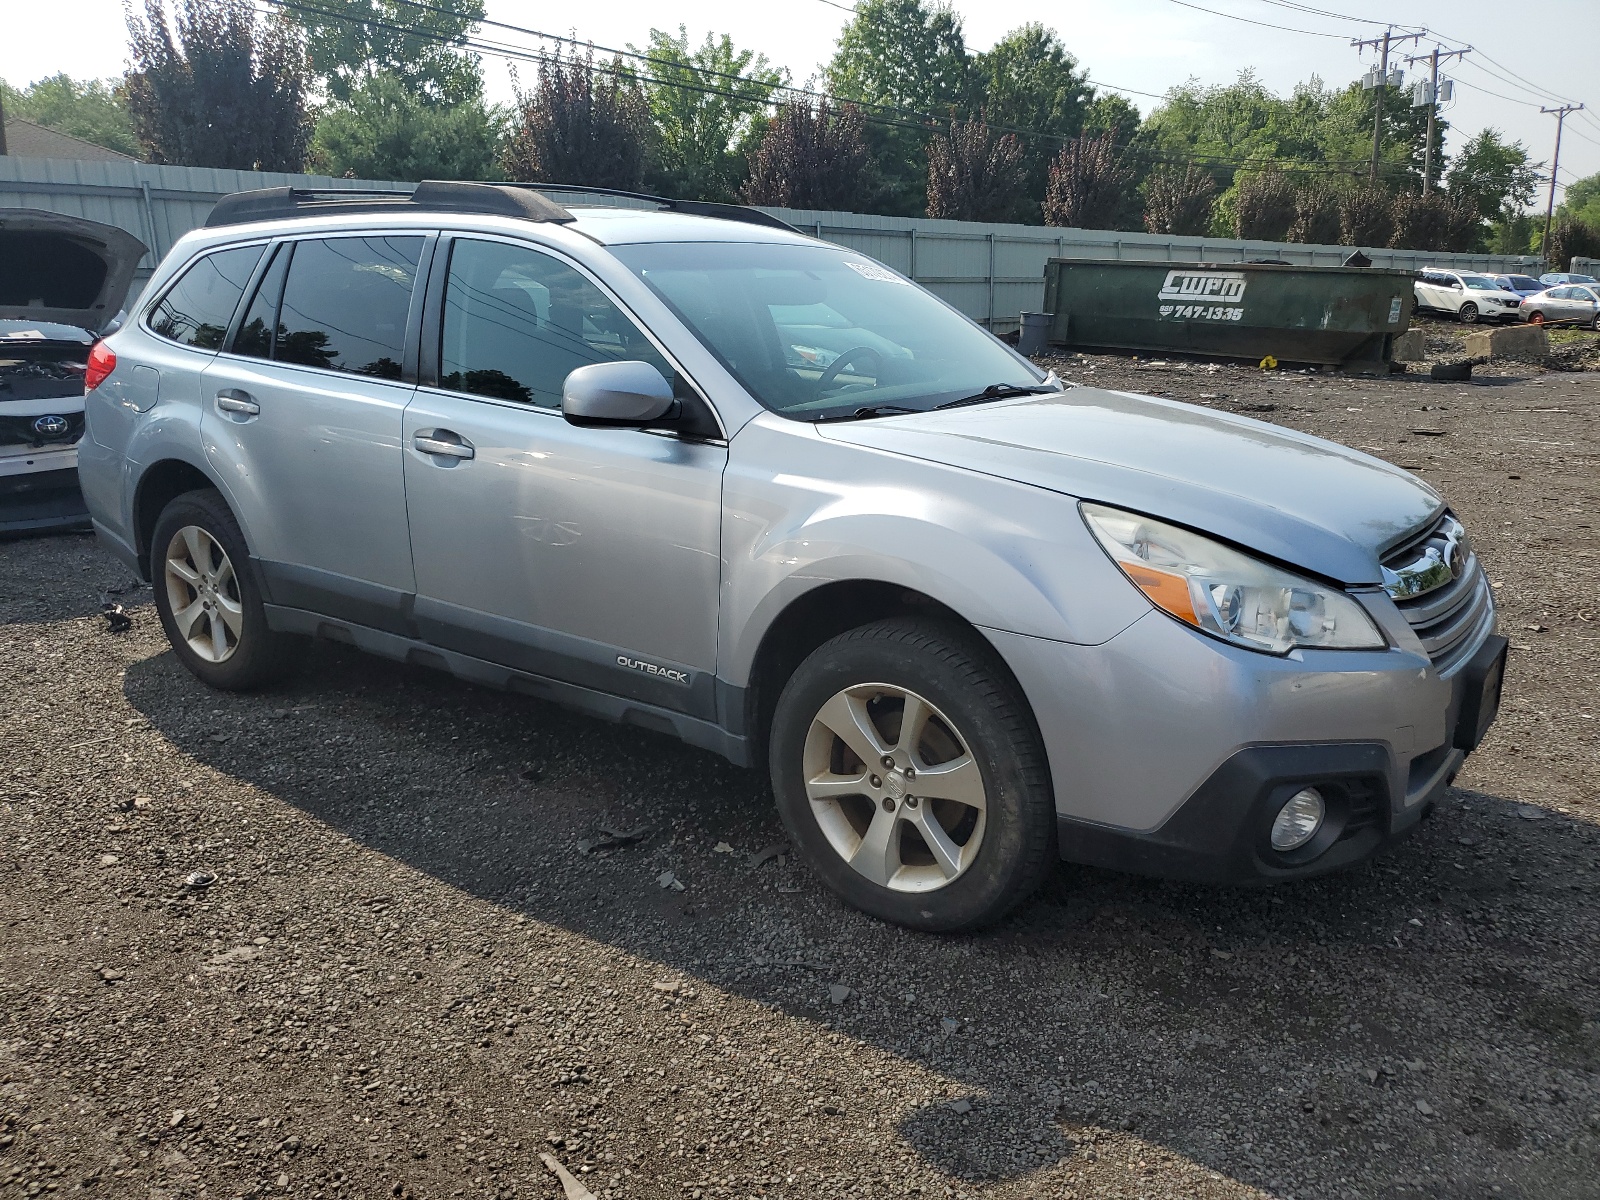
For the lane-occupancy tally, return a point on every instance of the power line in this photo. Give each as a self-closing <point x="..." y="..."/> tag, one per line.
<point x="1250" y="21"/>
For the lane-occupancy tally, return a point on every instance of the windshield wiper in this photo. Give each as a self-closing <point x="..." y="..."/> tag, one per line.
<point x="1000" y="391"/>
<point x="868" y="410"/>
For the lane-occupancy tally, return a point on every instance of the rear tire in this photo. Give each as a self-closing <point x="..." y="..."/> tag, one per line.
<point x="207" y="597"/>
<point x="960" y="826"/>
<point x="1467" y="314"/>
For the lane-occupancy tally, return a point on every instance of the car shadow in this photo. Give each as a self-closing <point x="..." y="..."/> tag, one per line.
<point x="62" y="576"/>
<point x="1274" y="1036"/>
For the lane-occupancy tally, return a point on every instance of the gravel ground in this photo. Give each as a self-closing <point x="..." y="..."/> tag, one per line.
<point x="414" y="973"/>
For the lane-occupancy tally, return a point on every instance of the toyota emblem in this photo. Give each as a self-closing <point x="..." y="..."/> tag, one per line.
<point x="50" y="426"/>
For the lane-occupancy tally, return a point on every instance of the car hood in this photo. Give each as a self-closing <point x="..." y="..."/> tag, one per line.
<point x="1313" y="504"/>
<point x="64" y="269"/>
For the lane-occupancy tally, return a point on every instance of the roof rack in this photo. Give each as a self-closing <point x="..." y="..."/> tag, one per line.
<point x="273" y="204"/>
<point x="524" y="200"/>
<point x="694" y="208"/>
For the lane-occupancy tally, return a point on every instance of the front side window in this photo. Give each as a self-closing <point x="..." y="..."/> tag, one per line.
<point x="345" y="304"/>
<point x="815" y="332"/>
<point x="197" y="309"/>
<point x="518" y="322"/>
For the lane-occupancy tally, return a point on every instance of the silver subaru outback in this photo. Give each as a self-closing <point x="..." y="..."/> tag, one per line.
<point x="684" y="468"/>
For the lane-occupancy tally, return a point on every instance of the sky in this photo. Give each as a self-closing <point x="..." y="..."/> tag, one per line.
<point x="1526" y="56"/>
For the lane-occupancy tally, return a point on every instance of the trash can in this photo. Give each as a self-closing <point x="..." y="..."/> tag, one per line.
<point x="1035" y="333"/>
<point x="1337" y="316"/>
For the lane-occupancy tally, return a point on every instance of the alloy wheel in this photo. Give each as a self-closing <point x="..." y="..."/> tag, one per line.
<point x="894" y="787"/>
<point x="203" y="594"/>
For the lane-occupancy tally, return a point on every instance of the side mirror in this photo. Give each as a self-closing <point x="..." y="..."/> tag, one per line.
<point x="624" y="394"/>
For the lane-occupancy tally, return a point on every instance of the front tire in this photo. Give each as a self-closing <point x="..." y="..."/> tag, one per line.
<point x="1536" y="318"/>
<point x="207" y="598"/>
<point x="909" y="773"/>
<point x="1467" y="314"/>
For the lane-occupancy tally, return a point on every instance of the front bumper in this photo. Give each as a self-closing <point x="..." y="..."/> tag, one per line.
<point x="1171" y="753"/>
<point x="45" y="498"/>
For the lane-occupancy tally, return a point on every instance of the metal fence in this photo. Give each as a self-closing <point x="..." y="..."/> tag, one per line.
<point x="1585" y="266"/>
<point x="990" y="272"/>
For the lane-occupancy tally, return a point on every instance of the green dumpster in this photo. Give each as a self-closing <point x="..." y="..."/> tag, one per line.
<point x="1339" y="316"/>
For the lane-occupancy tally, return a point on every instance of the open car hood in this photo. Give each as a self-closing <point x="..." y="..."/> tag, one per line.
<point x="64" y="270"/>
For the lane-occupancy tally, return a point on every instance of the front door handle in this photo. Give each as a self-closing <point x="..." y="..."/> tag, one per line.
<point x="232" y="400"/>
<point x="444" y="443"/>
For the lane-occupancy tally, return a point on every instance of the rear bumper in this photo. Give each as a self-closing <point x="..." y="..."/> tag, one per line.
<point x="48" y="501"/>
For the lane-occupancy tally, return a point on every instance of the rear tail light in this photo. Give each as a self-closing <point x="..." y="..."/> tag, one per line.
<point x="102" y="361"/>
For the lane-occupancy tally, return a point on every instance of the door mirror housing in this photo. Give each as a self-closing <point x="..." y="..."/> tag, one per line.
<point x="628" y="395"/>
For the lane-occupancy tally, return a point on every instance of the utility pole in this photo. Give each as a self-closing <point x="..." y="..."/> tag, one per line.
<point x="2" y="122"/>
<point x="1560" y="115"/>
<point x="1377" y="81"/>
<point x="1433" y="60"/>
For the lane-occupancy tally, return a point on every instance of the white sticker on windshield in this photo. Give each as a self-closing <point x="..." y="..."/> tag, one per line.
<point x="868" y="270"/>
<point x="32" y="335"/>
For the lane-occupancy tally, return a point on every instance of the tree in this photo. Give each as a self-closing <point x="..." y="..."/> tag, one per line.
<point x="973" y="176"/>
<point x="1264" y="206"/>
<point x="904" y="61"/>
<point x="89" y="109"/>
<point x="1492" y="176"/>
<point x="1434" y="221"/>
<point x="1028" y="81"/>
<point x="1316" y="215"/>
<point x="1090" y="183"/>
<point x="1366" y="216"/>
<point x="703" y="118"/>
<point x="351" y="41"/>
<point x="385" y="131"/>
<point x="1569" y="239"/>
<point x="1179" y="202"/>
<point x="230" y="91"/>
<point x="579" y="124"/>
<point x="1582" y="201"/>
<point x="811" y="158"/>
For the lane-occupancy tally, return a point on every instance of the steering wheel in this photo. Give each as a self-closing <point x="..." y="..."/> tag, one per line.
<point x="837" y="366"/>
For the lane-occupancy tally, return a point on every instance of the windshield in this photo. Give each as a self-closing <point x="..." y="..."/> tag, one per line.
<point x="1479" y="283"/>
<point x="1522" y="283"/>
<point x="813" y="332"/>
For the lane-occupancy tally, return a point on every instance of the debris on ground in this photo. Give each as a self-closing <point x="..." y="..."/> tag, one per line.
<point x="610" y="839"/>
<point x="570" y="1187"/>
<point x="669" y="879"/>
<point x="767" y="853"/>
<point x="838" y="993"/>
<point x="117" y="618"/>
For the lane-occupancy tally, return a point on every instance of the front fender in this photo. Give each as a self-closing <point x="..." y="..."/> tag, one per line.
<point x="801" y="512"/>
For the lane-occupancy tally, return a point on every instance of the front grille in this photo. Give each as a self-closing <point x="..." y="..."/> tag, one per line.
<point x="1439" y="585"/>
<point x="20" y="431"/>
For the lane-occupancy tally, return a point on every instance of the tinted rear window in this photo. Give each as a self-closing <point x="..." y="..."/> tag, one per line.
<point x="196" y="310"/>
<point x="345" y="304"/>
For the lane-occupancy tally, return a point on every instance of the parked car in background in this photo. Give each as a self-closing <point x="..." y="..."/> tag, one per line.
<point x="1553" y="278"/>
<point x="701" y="474"/>
<point x="1521" y="285"/>
<point x="62" y="281"/>
<point x="1465" y="295"/>
<point x="1574" y="304"/>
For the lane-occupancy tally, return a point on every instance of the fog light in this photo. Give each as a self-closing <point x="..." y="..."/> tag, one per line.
<point x="1298" y="820"/>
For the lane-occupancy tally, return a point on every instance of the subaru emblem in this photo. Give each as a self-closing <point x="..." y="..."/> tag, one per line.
<point x="50" y="426"/>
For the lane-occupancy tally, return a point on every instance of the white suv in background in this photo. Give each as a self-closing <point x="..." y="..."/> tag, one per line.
<point x="1467" y="296"/>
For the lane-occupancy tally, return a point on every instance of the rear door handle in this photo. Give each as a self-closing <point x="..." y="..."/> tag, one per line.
<point x="232" y="400"/>
<point x="443" y="443"/>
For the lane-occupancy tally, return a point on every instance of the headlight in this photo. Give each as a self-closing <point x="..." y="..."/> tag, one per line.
<point x="1228" y="594"/>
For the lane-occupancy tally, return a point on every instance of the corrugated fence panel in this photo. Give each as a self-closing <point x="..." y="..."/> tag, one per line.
<point x="990" y="272"/>
<point x="1586" y="266"/>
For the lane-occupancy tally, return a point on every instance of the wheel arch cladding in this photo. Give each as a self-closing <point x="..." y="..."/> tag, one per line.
<point x="161" y="484"/>
<point x="822" y="613"/>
